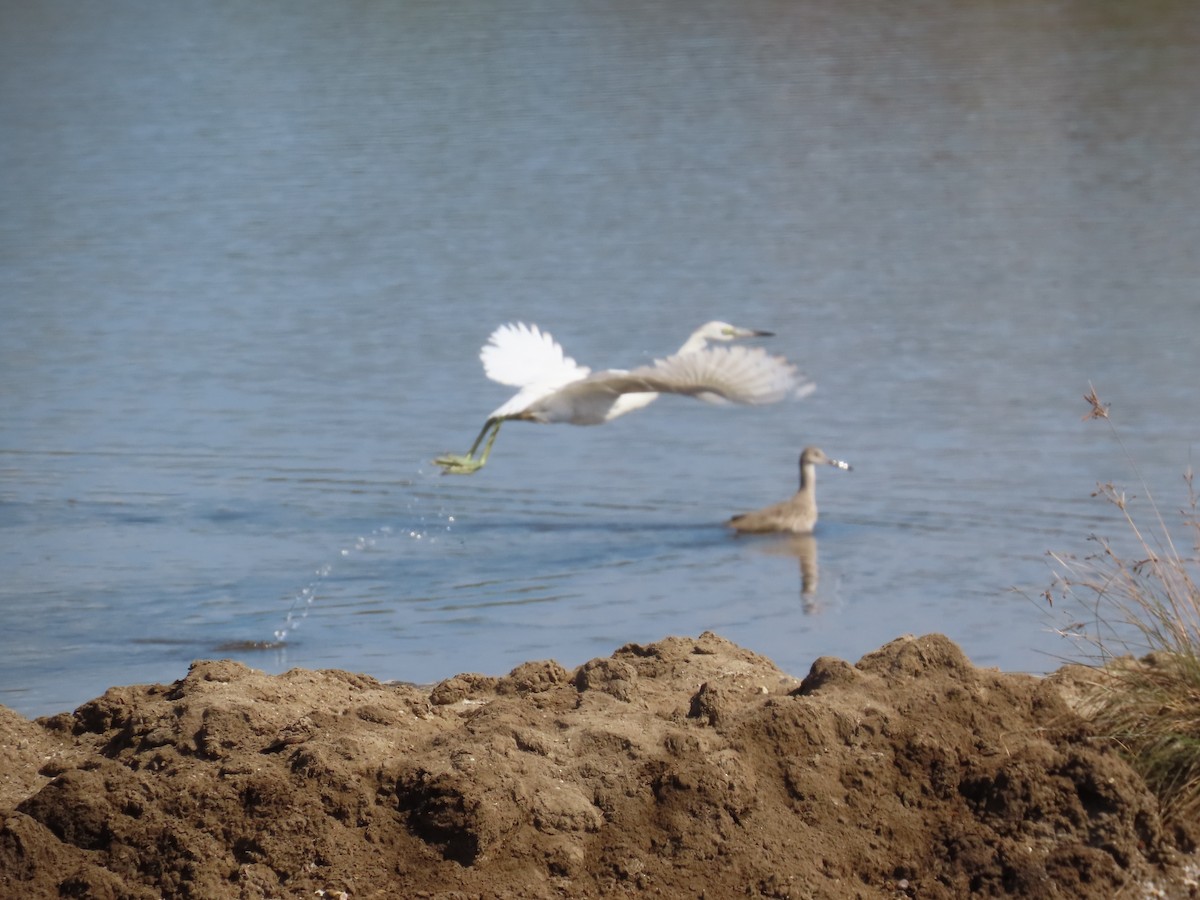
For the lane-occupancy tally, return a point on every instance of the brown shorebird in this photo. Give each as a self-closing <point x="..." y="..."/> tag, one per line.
<point x="797" y="514"/>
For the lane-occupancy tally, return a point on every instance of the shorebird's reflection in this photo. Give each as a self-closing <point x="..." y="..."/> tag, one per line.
<point x="804" y="548"/>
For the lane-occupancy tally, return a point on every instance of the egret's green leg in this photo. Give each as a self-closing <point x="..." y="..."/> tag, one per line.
<point x="453" y="464"/>
<point x="494" y="425"/>
<point x="487" y="448"/>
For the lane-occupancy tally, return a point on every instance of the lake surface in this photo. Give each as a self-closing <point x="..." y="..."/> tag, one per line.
<point x="249" y="253"/>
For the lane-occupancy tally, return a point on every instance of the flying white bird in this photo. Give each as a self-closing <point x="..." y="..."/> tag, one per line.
<point x="554" y="388"/>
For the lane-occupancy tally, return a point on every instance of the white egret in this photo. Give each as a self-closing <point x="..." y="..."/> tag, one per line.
<point x="554" y="388"/>
<point x="797" y="514"/>
<point x="697" y="340"/>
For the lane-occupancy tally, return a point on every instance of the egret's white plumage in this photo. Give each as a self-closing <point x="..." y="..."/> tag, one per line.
<point x="520" y="355"/>
<point x="716" y="375"/>
<point x="554" y="388"/>
<point x="697" y="340"/>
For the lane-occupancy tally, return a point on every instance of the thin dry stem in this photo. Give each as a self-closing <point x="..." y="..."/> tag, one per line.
<point x="1098" y="410"/>
<point x="1149" y="707"/>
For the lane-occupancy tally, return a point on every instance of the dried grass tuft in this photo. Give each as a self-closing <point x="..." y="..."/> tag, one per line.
<point x="1143" y="640"/>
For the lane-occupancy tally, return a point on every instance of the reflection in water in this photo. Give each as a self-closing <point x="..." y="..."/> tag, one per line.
<point x="248" y="646"/>
<point x="804" y="548"/>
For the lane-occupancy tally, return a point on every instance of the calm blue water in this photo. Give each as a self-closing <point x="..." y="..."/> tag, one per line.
<point x="248" y="255"/>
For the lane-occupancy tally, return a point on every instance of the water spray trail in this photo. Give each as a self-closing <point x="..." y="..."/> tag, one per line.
<point x="302" y="602"/>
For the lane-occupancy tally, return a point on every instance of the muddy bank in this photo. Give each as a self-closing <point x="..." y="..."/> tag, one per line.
<point x="684" y="768"/>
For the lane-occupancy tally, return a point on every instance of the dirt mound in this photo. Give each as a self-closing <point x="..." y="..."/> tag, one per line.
<point x="689" y="767"/>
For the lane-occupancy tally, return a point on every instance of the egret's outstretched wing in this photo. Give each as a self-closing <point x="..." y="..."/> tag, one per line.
<point x="554" y="388"/>
<point x="719" y="375"/>
<point x="521" y="355"/>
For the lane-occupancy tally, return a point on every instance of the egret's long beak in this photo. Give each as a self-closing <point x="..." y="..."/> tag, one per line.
<point x="754" y="332"/>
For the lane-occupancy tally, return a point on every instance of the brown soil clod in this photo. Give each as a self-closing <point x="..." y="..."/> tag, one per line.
<point x="683" y="768"/>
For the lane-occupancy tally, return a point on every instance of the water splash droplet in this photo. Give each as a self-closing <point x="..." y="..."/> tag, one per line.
<point x="303" y="600"/>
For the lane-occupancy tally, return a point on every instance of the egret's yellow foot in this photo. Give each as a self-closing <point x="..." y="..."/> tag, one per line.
<point x="453" y="464"/>
<point x="459" y="465"/>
